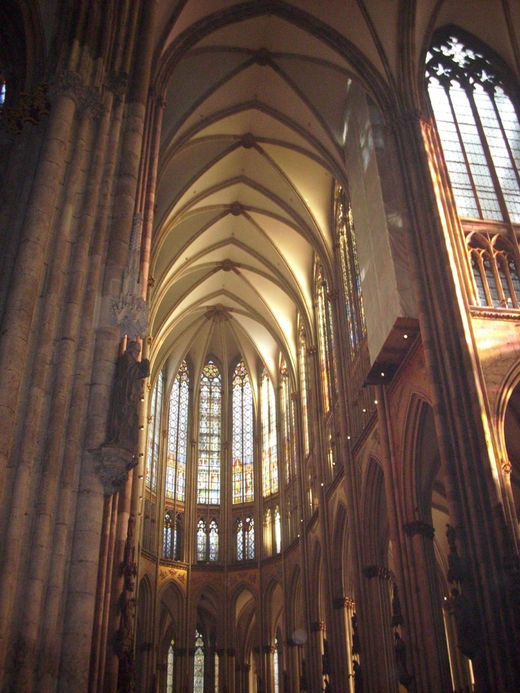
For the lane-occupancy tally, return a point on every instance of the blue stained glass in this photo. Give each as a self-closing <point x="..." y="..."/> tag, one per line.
<point x="177" y="435"/>
<point x="208" y="480"/>
<point x="242" y="436"/>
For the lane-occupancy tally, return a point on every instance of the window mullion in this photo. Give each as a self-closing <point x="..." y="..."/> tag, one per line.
<point x="487" y="154"/>
<point x="464" y="153"/>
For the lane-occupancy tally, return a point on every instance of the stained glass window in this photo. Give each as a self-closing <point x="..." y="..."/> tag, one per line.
<point x="167" y="536"/>
<point x="201" y="541"/>
<point x="268" y="528"/>
<point x="178" y="435"/>
<point x="350" y="275"/>
<point x="198" y="664"/>
<point x="245" y="538"/>
<point x="277" y="531"/>
<point x="154" y="434"/>
<point x="208" y="481"/>
<point x="242" y="436"/>
<point x="478" y="128"/>
<point x="239" y="535"/>
<point x="249" y="538"/>
<point x="287" y="422"/>
<point x="276" y="666"/>
<point x="302" y="364"/>
<point x="170" y="667"/>
<point x="269" y="446"/>
<point x="323" y="339"/>
<point x="213" y="541"/>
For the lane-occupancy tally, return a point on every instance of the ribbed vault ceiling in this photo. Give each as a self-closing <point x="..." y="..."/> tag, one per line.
<point x="257" y="104"/>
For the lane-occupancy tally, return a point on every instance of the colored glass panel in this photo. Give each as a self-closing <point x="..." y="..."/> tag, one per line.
<point x="178" y="435"/>
<point x="208" y="480"/>
<point x="242" y="436"/>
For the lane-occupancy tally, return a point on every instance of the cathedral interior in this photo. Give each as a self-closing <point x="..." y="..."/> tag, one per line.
<point x="259" y="346"/>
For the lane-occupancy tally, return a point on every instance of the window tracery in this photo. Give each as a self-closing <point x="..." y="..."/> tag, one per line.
<point x="288" y="427"/>
<point x="198" y="663"/>
<point x="242" y="436"/>
<point x="350" y="274"/>
<point x="170" y="664"/>
<point x="208" y="479"/>
<point x="154" y="434"/>
<point x="172" y="536"/>
<point x="245" y="538"/>
<point x="302" y="366"/>
<point x="479" y="130"/>
<point x="269" y="444"/>
<point x="178" y="436"/>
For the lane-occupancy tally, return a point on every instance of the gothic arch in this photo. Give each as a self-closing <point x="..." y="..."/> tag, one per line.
<point x="340" y="579"/>
<point x="508" y="424"/>
<point x="244" y="626"/>
<point x="144" y="628"/>
<point x="420" y="458"/>
<point x="373" y="513"/>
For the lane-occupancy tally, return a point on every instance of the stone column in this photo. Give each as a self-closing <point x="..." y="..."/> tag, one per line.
<point x="469" y="460"/>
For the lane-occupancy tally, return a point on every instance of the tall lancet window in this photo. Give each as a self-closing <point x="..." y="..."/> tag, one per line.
<point x="287" y="421"/>
<point x="213" y="541"/>
<point x="324" y="339"/>
<point x="269" y="446"/>
<point x="154" y="434"/>
<point x="208" y="479"/>
<point x="350" y="275"/>
<point x="242" y="436"/>
<point x="478" y="127"/>
<point x="245" y="538"/>
<point x="178" y="435"/>
<point x="304" y="395"/>
<point x="198" y="664"/>
<point x="170" y="667"/>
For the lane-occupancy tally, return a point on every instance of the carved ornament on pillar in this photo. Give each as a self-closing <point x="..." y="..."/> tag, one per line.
<point x="268" y="649"/>
<point x="89" y="100"/>
<point x="117" y="83"/>
<point x="419" y="527"/>
<point x="28" y="108"/>
<point x="380" y="571"/>
<point x="130" y="311"/>
<point x="318" y="626"/>
<point x="343" y="603"/>
<point x="114" y="465"/>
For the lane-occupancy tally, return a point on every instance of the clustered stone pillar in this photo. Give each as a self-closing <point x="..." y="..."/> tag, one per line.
<point x="53" y="400"/>
<point x="468" y="460"/>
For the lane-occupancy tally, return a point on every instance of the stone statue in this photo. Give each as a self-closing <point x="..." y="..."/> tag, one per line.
<point x="123" y="425"/>
<point x="400" y="659"/>
<point x="358" y="677"/>
<point x="467" y="622"/>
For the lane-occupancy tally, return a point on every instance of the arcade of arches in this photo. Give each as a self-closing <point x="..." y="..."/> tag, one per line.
<point x="260" y="349"/>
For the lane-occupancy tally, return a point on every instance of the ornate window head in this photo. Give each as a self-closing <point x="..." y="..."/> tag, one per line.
<point x="478" y="126"/>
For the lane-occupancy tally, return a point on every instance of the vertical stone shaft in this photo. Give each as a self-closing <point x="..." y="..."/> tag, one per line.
<point x="17" y="339"/>
<point x="446" y="330"/>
